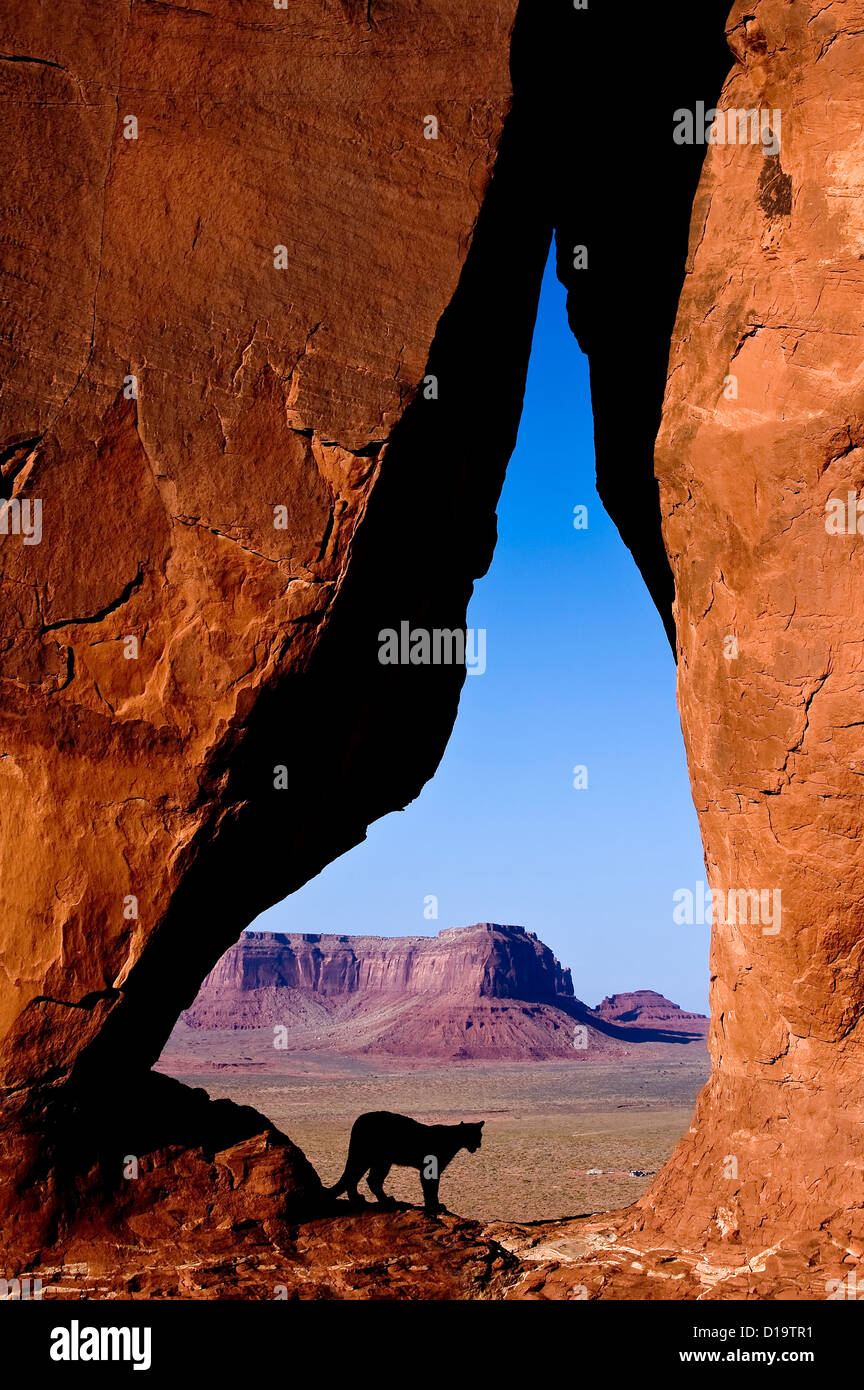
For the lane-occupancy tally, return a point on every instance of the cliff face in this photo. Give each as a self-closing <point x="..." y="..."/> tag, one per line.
<point x="263" y="347"/>
<point x="485" y="992"/>
<point x="237" y="409"/>
<point x="762" y="427"/>
<point x="484" y="961"/>
<point x="648" y="1009"/>
<point x="204" y="418"/>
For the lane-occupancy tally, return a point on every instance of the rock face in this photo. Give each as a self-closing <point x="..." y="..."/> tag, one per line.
<point x="486" y="992"/>
<point x="647" y="1009"/>
<point x="204" y="431"/>
<point x="235" y="413"/>
<point x="483" y="961"/>
<point x="762" y="426"/>
<point x="399" y="1255"/>
<point x="263" y="348"/>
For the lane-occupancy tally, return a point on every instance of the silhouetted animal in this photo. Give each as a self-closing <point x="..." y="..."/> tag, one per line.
<point x="380" y="1139"/>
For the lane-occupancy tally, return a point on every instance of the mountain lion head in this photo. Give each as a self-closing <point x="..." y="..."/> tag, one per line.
<point x="473" y="1135"/>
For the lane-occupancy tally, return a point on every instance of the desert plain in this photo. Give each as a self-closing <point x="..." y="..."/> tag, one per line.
<point x="548" y="1124"/>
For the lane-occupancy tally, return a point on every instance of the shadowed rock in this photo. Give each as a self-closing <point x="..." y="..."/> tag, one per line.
<point x="246" y="472"/>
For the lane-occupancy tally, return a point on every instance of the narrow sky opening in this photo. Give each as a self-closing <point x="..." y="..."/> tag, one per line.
<point x="578" y="674"/>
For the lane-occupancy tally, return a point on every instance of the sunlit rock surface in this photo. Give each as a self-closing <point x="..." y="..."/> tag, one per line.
<point x="236" y="338"/>
<point x="486" y="992"/>
<point x="245" y="471"/>
<point x="761" y="428"/>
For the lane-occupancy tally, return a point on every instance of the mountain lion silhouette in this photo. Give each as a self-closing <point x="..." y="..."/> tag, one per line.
<point x="380" y="1139"/>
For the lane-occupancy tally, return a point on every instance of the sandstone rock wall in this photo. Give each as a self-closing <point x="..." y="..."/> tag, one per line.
<point x="484" y="961"/>
<point x="227" y="455"/>
<point x="649" y="1009"/>
<point x="485" y="992"/>
<point x="255" y="391"/>
<point x="762" y="426"/>
<point x="166" y="649"/>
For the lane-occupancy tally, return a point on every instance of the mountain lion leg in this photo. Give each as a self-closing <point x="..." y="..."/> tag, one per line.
<point x="430" y="1196"/>
<point x="376" y="1179"/>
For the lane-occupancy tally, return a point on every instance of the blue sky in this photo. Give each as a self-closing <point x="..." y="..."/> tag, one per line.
<point x="578" y="672"/>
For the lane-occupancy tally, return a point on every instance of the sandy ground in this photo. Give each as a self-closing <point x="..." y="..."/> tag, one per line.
<point x="547" y="1123"/>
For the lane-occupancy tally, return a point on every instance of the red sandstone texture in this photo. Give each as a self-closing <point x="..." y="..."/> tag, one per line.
<point x="216" y="330"/>
<point x="644" y="1008"/>
<point x="168" y="394"/>
<point x="772" y="717"/>
<point x="485" y="992"/>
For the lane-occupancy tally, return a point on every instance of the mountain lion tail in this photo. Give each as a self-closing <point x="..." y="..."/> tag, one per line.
<point x="353" y="1170"/>
<point x="340" y="1187"/>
